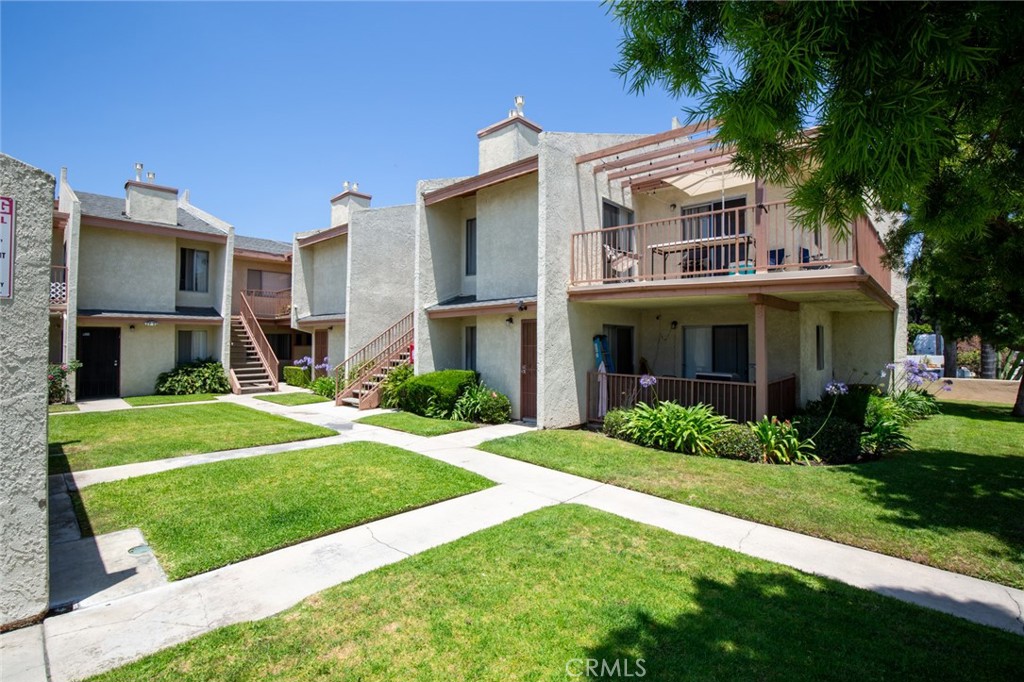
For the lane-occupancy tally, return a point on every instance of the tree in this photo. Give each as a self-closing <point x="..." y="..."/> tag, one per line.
<point x="917" y="108"/>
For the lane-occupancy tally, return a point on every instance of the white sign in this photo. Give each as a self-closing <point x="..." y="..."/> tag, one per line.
<point x="6" y="247"/>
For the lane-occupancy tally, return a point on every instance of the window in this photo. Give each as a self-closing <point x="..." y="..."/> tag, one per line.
<point x="471" y="348"/>
<point x="819" y="338"/>
<point x="719" y="352"/>
<point x="195" y="270"/>
<point x="191" y="346"/>
<point x="264" y="280"/>
<point x="471" y="247"/>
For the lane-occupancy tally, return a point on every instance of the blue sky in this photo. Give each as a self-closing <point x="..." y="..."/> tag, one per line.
<point x="263" y="109"/>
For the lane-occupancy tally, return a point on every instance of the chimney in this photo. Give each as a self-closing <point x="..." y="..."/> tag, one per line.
<point x="149" y="202"/>
<point x="508" y="140"/>
<point x="346" y="203"/>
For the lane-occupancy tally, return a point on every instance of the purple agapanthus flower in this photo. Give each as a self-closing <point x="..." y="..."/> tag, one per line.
<point x="648" y="380"/>
<point x="836" y="388"/>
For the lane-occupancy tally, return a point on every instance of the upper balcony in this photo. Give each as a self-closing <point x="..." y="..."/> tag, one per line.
<point x="737" y="242"/>
<point x="269" y="305"/>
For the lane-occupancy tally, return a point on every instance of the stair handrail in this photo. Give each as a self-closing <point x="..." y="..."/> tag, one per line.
<point x="259" y="339"/>
<point x="357" y="366"/>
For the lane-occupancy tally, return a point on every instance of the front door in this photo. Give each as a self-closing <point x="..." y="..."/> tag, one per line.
<point x="99" y="350"/>
<point x="528" y="370"/>
<point x="320" y="350"/>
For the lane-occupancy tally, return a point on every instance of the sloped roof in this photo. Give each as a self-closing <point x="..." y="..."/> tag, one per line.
<point x="113" y="208"/>
<point x="263" y="245"/>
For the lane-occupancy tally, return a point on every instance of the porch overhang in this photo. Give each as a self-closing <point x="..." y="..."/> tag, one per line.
<point x="318" y="321"/>
<point x="471" y="307"/>
<point x="182" y="315"/>
<point x="150" y="228"/>
<point x="323" y="235"/>
<point x="806" y="287"/>
<point x="470" y="186"/>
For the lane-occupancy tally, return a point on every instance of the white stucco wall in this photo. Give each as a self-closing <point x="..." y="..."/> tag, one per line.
<point x="151" y="204"/>
<point x="329" y="275"/>
<point x="381" y="254"/>
<point x="302" y="280"/>
<point x="812" y="380"/>
<point x="119" y="270"/>
<point x="213" y="297"/>
<point x="506" y="235"/>
<point x="569" y="200"/>
<point x="862" y="345"/>
<point x="499" y="353"/>
<point x="506" y="145"/>
<point x="24" y="547"/>
<point x="68" y="203"/>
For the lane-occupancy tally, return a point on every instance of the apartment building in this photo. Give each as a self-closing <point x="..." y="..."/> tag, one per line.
<point x="572" y="264"/>
<point x="143" y="283"/>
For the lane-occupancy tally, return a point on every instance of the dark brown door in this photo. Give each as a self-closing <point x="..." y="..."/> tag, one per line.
<point x="320" y="350"/>
<point x="528" y="370"/>
<point x="99" y="350"/>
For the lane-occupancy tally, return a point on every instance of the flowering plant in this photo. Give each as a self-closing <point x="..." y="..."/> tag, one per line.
<point x="57" y="380"/>
<point x="324" y="365"/>
<point x="911" y="374"/>
<point x="304" y="361"/>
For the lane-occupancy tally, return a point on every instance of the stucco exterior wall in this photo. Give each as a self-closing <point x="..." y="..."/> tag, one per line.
<point x="302" y="281"/>
<point x="381" y="253"/>
<point x="569" y="200"/>
<point x="329" y="276"/>
<point x="499" y="354"/>
<point x="662" y="346"/>
<point x="812" y="380"/>
<point x="506" y="145"/>
<point x="439" y="344"/>
<point x="68" y="203"/>
<point x="24" y="547"/>
<point x="120" y="270"/>
<point x="862" y="345"/>
<point x="151" y="204"/>
<point x="240" y="272"/>
<point x="506" y="237"/>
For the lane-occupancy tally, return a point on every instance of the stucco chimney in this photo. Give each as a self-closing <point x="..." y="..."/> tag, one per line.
<point x="350" y="200"/>
<point x="149" y="202"/>
<point x="509" y="140"/>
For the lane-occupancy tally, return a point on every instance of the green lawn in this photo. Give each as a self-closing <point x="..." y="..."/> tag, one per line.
<point x="293" y="398"/>
<point x="956" y="502"/>
<point x="57" y="408"/>
<point x="522" y="600"/>
<point x="198" y="518"/>
<point x="415" y="424"/>
<point x="103" y="439"/>
<point x="144" y="400"/>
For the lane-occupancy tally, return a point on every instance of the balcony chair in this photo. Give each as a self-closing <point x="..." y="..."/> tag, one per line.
<point x="621" y="262"/>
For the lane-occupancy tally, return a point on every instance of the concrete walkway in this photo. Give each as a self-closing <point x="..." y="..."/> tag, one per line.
<point x="90" y="640"/>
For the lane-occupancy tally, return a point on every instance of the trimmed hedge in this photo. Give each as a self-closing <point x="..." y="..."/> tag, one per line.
<point x="837" y="442"/>
<point x="296" y="376"/>
<point x="434" y="394"/>
<point x="737" y="441"/>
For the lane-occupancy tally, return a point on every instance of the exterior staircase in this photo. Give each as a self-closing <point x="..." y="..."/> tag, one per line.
<point x="253" y="363"/>
<point x="360" y="375"/>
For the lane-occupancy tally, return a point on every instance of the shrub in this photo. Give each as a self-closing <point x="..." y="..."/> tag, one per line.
<point x="971" y="359"/>
<point x="434" y="393"/>
<point x="884" y="427"/>
<point x="916" y="403"/>
<point x="836" y="441"/>
<point x="780" y="442"/>
<point x="324" y="386"/>
<point x="669" y="426"/>
<point x="480" y="403"/>
<point x="57" y="380"/>
<point x="615" y="423"/>
<point x="851" y="406"/>
<point x="201" y="376"/>
<point x="392" y="383"/>
<point x="736" y="441"/>
<point x="296" y="376"/>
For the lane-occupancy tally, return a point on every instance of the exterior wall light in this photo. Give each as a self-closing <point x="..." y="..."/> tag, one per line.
<point x="150" y="323"/>
<point x="509" y="321"/>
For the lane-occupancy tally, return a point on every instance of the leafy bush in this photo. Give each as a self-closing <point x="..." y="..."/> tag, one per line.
<point x="392" y="383"/>
<point x="201" y="376"/>
<point x="915" y="328"/>
<point x="971" y="359"/>
<point x="324" y="386"/>
<point x="883" y="437"/>
<point x="851" y="406"/>
<point x="615" y="423"/>
<point x="836" y="441"/>
<point x="296" y="376"/>
<point x="916" y="403"/>
<point x="670" y="426"/>
<point x="781" y="444"/>
<point x="480" y="403"/>
<point x="436" y="392"/>
<point x="57" y="380"/>
<point x="736" y="441"/>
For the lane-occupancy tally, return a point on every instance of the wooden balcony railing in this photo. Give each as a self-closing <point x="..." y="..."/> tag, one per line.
<point x="733" y="399"/>
<point x="58" y="285"/>
<point x="269" y="304"/>
<point x="734" y="241"/>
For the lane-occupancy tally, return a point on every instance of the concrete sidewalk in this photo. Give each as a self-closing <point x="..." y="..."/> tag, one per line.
<point x="95" y="639"/>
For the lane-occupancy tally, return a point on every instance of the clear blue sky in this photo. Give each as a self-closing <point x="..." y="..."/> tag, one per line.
<point x="263" y="109"/>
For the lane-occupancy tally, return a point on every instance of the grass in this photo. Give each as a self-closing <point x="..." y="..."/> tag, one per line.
<point x="413" y="423"/>
<point x="198" y="518"/>
<point x="57" y="408"/>
<point x="523" y="600"/>
<point x="955" y="502"/>
<point x="104" y="439"/>
<point x="144" y="400"/>
<point x="293" y="398"/>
